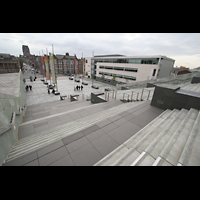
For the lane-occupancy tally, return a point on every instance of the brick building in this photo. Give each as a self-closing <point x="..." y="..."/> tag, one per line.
<point x="66" y="64"/>
<point x="9" y="64"/>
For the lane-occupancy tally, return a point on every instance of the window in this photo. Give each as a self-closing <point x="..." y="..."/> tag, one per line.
<point x="154" y="72"/>
<point x="119" y="68"/>
<point x="107" y="67"/>
<point x="131" y="69"/>
<point x="86" y="61"/>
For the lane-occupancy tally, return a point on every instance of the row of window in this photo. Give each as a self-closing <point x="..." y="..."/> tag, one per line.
<point x="118" y="75"/>
<point x="119" y="68"/>
<point x="132" y="60"/>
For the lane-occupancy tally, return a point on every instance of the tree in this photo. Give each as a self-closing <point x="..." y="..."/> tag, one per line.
<point x="21" y="61"/>
<point x="102" y="77"/>
<point x="114" y="78"/>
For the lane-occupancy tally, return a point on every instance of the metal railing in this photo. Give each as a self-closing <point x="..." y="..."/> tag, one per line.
<point x="12" y="121"/>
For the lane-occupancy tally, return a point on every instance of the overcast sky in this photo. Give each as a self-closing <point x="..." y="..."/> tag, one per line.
<point x="183" y="47"/>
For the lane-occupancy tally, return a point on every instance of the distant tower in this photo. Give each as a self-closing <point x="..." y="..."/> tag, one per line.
<point x="25" y="50"/>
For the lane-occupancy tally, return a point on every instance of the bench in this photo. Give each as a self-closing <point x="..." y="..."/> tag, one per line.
<point x="74" y="97"/>
<point x="95" y="87"/>
<point x="57" y="93"/>
<point x="84" y="83"/>
<point x="62" y="97"/>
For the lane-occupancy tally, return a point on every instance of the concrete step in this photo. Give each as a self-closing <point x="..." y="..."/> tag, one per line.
<point x="144" y="142"/>
<point x="158" y="143"/>
<point x="126" y="149"/>
<point x="36" y="141"/>
<point x="190" y="155"/>
<point x="173" y="149"/>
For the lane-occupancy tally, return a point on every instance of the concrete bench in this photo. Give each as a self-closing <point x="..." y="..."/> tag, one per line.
<point x="95" y="87"/>
<point x="62" y="97"/>
<point x="84" y="83"/>
<point x="74" y="97"/>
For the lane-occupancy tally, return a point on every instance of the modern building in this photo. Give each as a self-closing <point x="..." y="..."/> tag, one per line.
<point x="129" y="68"/>
<point x="26" y="51"/>
<point x="9" y="64"/>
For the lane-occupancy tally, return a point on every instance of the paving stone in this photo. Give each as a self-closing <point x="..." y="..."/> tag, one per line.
<point x="52" y="156"/>
<point x="105" y="144"/>
<point x="86" y="155"/>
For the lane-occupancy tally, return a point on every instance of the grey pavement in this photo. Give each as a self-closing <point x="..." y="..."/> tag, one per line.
<point x="39" y="93"/>
<point x="90" y="145"/>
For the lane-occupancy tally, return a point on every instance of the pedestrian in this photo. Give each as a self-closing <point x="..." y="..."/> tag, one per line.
<point x="81" y="87"/>
<point x="26" y="88"/>
<point x="48" y="91"/>
<point x="77" y="87"/>
<point x="74" y="88"/>
<point x="30" y="87"/>
<point x="53" y="91"/>
<point x="24" y="80"/>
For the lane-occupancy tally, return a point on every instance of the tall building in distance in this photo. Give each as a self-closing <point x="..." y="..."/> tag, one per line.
<point x="26" y="50"/>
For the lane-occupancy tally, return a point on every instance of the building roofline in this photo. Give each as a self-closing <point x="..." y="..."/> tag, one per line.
<point x="129" y="57"/>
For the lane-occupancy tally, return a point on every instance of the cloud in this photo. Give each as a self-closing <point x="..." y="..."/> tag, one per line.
<point x="174" y="45"/>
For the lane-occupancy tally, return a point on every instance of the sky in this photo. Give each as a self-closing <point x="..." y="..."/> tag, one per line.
<point x="184" y="48"/>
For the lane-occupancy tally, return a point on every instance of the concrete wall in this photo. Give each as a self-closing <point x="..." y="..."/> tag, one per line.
<point x="165" y="68"/>
<point x="8" y="105"/>
<point x="170" y="97"/>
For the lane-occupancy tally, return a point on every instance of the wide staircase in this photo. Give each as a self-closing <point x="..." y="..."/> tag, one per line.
<point x="36" y="141"/>
<point x="171" y="139"/>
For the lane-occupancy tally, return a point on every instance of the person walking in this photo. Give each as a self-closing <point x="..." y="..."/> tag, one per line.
<point x="48" y="91"/>
<point x="26" y="88"/>
<point x="77" y="87"/>
<point x="30" y="87"/>
<point x="81" y="87"/>
<point x="74" y="88"/>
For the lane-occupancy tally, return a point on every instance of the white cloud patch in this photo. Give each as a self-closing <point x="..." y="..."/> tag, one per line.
<point x="183" y="47"/>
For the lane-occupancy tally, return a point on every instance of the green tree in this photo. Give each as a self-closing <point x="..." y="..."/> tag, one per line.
<point x="114" y="78"/>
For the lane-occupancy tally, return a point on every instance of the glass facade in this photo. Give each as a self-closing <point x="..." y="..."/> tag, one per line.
<point x="119" y="68"/>
<point x="129" y="60"/>
<point x="118" y="75"/>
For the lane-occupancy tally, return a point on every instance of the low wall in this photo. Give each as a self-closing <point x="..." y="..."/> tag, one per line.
<point x="171" y="97"/>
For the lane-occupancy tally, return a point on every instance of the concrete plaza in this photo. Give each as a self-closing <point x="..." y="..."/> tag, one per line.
<point x="39" y="93"/>
<point x="78" y="133"/>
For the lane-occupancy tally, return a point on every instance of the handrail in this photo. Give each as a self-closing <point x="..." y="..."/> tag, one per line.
<point x="12" y="121"/>
<point x="9" y="126"/>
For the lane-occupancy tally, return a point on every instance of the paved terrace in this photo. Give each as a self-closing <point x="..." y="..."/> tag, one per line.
<point x="45" y="137"/>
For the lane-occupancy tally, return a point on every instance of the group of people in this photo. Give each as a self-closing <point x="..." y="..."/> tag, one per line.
<point x="78" y="87"/>
<point x="27" y="87"/>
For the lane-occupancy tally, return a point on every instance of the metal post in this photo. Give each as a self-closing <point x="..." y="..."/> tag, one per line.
<point x="148" y="95"/>
<point x="137" y="97"/>
<point x="142" y="94"/>
<point x="116" y="94"/>
<point x="108" y="97"/>
<point x="132" y="97"/>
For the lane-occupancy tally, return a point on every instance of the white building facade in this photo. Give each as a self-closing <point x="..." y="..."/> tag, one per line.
<point x="128" y="69"/>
